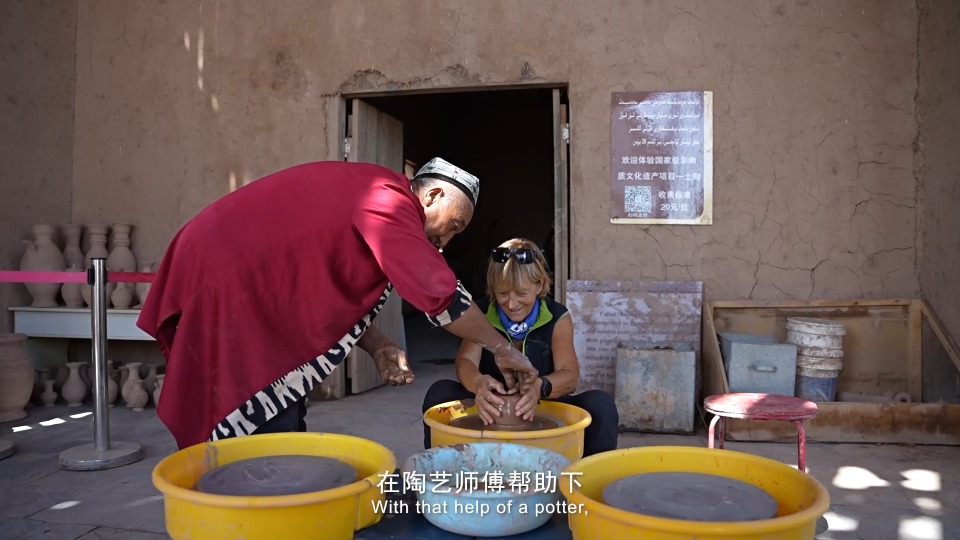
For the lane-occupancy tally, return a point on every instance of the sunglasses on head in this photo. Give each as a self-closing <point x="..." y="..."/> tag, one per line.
<point x="521" y="255"/>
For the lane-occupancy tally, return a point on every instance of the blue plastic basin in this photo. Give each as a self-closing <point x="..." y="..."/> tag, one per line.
<point x="500" y="506"/>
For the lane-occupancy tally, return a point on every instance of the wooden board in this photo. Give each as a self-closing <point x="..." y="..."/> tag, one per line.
<point x="560" y="189"/>
<point x="631" y="314"/>
<point x="376" y="137"/>
<point x="881" y="351"/>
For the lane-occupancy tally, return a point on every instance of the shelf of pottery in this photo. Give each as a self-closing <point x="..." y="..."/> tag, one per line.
<point x="61" y="310"/>
<point x="133" y="384"/>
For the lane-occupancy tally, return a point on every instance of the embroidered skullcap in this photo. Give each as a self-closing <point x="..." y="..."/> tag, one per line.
<point x="444" y="170"/>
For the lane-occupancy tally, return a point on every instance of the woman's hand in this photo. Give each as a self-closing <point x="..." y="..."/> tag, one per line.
<point x="488" y="403"/>
<point x="527" y="405"/>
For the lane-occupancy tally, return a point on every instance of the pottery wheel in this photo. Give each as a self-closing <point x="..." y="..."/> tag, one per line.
<point x="691" y="497"/>
<point x="277" y="475"/>
<point x="473" y="421"/>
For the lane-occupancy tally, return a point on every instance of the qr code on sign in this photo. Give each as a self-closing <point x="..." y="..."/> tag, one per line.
<point x="637" y="199"/>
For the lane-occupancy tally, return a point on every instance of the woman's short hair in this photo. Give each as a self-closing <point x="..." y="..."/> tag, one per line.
<point x="507" y="276"/>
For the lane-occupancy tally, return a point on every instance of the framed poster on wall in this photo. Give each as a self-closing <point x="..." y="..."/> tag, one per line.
<point x="661" y="158"/>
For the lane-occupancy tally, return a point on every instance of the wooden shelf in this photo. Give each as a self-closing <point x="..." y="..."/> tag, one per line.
<point x="64" y="322"/>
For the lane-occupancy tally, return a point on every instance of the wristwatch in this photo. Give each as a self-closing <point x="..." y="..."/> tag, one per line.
<point x="545" y="388"/>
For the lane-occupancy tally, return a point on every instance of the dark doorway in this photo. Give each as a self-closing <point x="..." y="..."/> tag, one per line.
<point x="506" y="138"/>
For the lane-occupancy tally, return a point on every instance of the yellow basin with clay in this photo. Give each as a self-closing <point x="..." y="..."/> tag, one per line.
<point x="566" y="440"/>
<point x="801" y="499"/>
<point x="331" y="514"/>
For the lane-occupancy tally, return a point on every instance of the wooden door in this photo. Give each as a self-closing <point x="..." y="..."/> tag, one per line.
<point x="375" y="137"/>
<point x="561" y="213"/>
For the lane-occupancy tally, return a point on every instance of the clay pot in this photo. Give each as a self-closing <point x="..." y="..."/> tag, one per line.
<point x="71" y="245"/>
<point x="143" y="288"/>
<point x="508" y="416"/>
<point x="133" y="378"/>
<point x="49" y="395"/>
<point x="43" y="255"/>
<point x="97" y="236"/>
<point x="121" y="259"/>
<point x="16" y="377"/>
<point x="74" y="390"/>
<point x="122" y="297"/>
<point x="71" y="291"/>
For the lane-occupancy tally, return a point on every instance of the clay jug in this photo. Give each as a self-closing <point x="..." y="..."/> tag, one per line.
<point x="143" y="288"/>
<point x="16" y="377"/>
<point x="122" y="296"/>
<point x="38" y="387"/>
<point x="133" y="368"/>
<point x="157" y="391"/>
<point x="112" y="387"/>
<point x="43" y="255"/>
<point x="150" y="381"/>
<point x="97" y="236"/>
<point x="71" y="245"/>
<point x="71" y="291"/>
<point x="62" y="374"/>
<point x="136" y="395"/>
<point x="74" y="390"/>
<point x="121" y="259"/>
<point x="508" y="416"/>
<point x="49" y="395"/>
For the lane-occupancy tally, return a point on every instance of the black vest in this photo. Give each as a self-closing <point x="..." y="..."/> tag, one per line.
<point x="537" y="345"/>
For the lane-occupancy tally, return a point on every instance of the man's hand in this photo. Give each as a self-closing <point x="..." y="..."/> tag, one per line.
<point x="391" y="361"/>
<point x="516" y="368"/>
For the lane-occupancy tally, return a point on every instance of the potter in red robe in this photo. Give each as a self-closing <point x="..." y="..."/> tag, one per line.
<point x="261" y="295"/>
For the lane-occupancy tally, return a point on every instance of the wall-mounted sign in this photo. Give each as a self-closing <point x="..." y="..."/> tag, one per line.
<point x="661" y="158"/>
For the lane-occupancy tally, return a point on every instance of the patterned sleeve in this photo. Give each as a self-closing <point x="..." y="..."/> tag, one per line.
<point x="461" y="302"/>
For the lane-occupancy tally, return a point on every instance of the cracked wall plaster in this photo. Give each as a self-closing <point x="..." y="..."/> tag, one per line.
<point x="179" y="102"/>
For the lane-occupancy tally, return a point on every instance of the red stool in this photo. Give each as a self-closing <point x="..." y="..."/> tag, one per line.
<point x="761" y="407"/>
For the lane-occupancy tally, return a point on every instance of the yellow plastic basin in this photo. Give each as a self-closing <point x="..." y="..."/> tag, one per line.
<point x="566" y="440"/>
<point x="802" y="500"/>
<point x="331" y="514"/>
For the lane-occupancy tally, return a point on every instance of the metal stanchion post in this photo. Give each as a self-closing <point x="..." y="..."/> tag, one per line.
<point x="102" y="454"/>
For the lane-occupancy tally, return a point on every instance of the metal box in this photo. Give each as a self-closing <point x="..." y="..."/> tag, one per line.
<point x="656" y="389"/>
<point x="758" y="364"/>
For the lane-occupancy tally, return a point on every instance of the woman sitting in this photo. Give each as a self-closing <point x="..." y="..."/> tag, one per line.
<point x="541" y="329"/>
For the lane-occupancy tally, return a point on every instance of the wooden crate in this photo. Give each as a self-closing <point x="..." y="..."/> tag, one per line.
<point x="882" y="352"/>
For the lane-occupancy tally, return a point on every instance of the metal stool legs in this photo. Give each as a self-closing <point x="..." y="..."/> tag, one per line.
<point x="717" y="425"/>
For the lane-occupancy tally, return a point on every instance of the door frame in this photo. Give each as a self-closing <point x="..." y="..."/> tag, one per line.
<point x="563" y="265"/>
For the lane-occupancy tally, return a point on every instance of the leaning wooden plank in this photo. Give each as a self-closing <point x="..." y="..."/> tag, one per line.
<point x="735" y="304"/>
<point x="915" y="351"/>
<point x="912" y="423"/>
<point x="938" y="329"/>
<point x="714" y="378"/>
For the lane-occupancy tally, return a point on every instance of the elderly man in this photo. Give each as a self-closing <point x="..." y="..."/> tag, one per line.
<point x="264" y="293"/>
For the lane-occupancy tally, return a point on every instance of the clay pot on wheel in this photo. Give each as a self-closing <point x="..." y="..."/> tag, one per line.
<point x="508" y="416"/>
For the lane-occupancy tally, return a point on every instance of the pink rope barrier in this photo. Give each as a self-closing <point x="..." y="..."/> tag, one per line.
<point x="21" y="276"/>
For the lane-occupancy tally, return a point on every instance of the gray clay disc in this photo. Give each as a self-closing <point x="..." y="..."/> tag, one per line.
<point x="690" y="497"/>
<point x="277" y="475"/>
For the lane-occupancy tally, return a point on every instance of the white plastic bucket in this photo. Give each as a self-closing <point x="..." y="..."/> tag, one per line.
<point x="820" y="333"/>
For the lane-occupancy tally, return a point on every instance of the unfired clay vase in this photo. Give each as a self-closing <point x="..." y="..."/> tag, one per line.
<point x="74" y="391"/>
<point x="38" y="386"/>
<point x="16" y="377"/>
<point x="41" y="254"/>
<point x="133" y="378"/>
<point x="97" y="236"/>
<point x="143" y="288"/>
<point x="150" y="381"/>
<point x="71" y="291"/>
<point x="71" y="245"/>
<point x="112" y="388"/>
<point x="122" y="297"/>
<point x="121" y="259"/>
<point x="49" y="395"/>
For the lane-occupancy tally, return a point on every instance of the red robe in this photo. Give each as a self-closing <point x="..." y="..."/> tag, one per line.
<point x="267" y="289"/>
